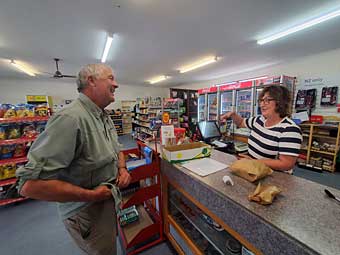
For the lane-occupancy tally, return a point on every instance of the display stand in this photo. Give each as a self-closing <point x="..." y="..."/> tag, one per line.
<point x="9" y="165"/>
<point x="320" y="146"/>
<point x="148" y="230"/>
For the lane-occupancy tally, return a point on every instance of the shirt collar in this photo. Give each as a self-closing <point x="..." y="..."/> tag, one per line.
<point x="91" y="105"/>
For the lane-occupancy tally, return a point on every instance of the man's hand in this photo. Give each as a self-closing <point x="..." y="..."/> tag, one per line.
<point x="101" y="193"/>
<point x="124" y="178"/>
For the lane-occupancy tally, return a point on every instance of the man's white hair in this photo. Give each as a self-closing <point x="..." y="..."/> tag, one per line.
<point x="94" y="70"/>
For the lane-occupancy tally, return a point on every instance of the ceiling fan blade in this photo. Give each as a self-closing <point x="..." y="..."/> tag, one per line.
<point x="69" y="76"/>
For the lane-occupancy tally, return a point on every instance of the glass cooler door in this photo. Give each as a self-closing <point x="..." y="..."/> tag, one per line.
<point x="201" y="107"/>
<point x="212" y="106"/>
<point x="257" y="109"/>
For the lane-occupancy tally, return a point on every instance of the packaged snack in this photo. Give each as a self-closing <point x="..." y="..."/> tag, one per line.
<point x="13" y="131"/>
<point x="41" y="110"/>
<point x="19" y="151"/>
<point x="3" y="109"/>
<point x="9" y="111"/>
<point x="28" y="131"/>
<point x="1" y="172"/>
<point x="40" y="126"/>
<point x="9" y="171"/>
<point x="3" y="134"/>
<point x="24" y="110"/>
<point x="7" y="151"/>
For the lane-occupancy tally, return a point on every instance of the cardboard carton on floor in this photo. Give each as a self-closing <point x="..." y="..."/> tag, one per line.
<point x="183" y="152"/>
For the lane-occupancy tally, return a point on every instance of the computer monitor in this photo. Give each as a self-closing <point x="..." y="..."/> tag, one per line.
<point x="209" y="130"/>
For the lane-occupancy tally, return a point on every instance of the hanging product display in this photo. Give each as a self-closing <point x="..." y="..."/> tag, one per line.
<point x="329" y="96"/>
<point x="305" y="99"/>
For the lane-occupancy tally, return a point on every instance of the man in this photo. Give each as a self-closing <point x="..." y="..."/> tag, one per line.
<point x="71" y="160"/>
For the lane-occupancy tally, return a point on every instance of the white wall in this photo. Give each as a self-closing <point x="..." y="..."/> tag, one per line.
<point x="14" y="91"/>
<point x="323" y="64"/>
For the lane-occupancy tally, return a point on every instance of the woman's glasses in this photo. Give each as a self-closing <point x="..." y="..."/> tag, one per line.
<point x="265" y="100"/>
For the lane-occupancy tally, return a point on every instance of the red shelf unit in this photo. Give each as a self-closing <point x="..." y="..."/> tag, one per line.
<point x="149" y="227"/>
<point x="7" y="182"/>
<point x="12" y="200"/>
<point x="16" y="141"/>
<point x="13" y="160"/>
<point x="24" y="119"/>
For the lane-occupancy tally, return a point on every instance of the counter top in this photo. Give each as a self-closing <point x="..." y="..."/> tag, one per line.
<point x="301" y="220"/>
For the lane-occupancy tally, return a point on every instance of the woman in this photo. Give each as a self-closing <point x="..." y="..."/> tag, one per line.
<point x="274" y="138"/>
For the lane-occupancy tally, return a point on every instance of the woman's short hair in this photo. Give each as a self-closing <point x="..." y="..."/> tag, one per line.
<point x="94" y="70"/>
<point x="282" y="97"/>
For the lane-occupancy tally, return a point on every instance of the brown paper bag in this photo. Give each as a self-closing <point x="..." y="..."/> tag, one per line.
<point x="250" y="169"/>
<point x="264" y="194"/>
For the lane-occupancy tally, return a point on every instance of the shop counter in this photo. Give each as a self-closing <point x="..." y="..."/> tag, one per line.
<point x="301" y="220"/>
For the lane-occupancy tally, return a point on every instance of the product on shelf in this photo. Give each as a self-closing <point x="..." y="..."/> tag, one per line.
<point x="128" y="215"/>
<point x="7" y="171"/>
<point x="6" y="151"/>
<point x="25" y="110"/>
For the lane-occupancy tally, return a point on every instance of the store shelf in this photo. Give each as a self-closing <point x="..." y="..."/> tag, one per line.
<point x="324" y="152"/>
<point x="132" y="230"/>
<point x="16" y="141"/>
<point x="13" y="160"/>
<point x="324" y="136"/>
<point x="25" y="119"/>
<point x="11" y="200"/>
<point x="216" y="239"/>
<point x="7" y="182"/>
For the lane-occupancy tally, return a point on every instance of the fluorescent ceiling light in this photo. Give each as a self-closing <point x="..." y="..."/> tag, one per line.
<point x="23" y="68"/>
<point x="158" y="79"/>
<point x="300" y="27"/>
<point x="198" y="64"/>
<point x="255" y="79"/>
<point x="107" y="48"/>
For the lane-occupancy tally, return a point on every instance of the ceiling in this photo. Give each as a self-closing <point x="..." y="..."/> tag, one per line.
<point x="155" y="37"/>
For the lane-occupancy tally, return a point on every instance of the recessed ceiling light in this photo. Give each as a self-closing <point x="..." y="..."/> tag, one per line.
<point x="300" y="27"/>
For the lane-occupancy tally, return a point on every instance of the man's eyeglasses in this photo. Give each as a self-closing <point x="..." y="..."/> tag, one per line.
<point x="265" y="100"/>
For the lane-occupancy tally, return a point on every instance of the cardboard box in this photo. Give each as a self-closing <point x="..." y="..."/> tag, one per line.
<point x="184" y="152"/>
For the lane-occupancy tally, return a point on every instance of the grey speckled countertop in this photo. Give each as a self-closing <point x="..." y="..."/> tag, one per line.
<point x="301" y="220"/>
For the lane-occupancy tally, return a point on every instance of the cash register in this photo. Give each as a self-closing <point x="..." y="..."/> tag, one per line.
<point x="211" y="134"/>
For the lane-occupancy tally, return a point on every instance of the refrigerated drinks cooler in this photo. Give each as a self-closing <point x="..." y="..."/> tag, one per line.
<point x="201" y="111"/>
<point x="212" y="104"/>
<point x="244" y="103"/>
<point x="226" y="105"/>
<point x="283" y="80"/>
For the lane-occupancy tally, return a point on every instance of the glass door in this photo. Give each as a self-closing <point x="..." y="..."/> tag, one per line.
<point x="226" y="105"/>
<point x="243" y="103"/>
<point x="201" y="108"/>
<point x="257" y="109"/>
<point x="212" y="106"/>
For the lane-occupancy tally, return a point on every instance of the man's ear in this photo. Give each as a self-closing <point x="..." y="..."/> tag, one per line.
<point x="90" y="81"/>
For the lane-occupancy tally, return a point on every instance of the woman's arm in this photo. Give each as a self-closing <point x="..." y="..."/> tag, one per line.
<point x="283" y="163"/>
<point x="238" y="120"/>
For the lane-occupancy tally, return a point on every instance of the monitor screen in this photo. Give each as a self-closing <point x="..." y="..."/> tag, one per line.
<point x="209" y="129"/>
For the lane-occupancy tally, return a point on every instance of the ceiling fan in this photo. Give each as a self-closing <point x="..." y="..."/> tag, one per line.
<point x="58" y="74"/>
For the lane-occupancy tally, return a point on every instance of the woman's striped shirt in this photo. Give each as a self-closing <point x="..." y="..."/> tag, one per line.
<point x="284" y="138"/>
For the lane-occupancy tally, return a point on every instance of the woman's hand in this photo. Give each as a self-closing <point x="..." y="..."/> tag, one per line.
<point x="226" y="115"/>
<point x="246" y="156"/>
